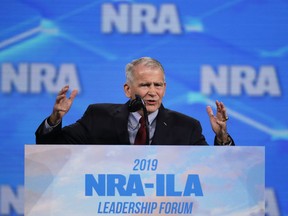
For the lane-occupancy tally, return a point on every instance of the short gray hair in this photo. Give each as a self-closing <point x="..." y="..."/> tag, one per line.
<point x="147" y="62"/>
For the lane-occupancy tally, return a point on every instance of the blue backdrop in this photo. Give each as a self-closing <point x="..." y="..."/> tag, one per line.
<point x="232" y="51"/>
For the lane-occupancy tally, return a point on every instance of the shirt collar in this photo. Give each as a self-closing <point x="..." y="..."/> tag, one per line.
<point x="134" y="118"/>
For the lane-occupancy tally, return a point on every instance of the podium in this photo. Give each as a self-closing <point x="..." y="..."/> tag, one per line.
<point x="121" y="180"/>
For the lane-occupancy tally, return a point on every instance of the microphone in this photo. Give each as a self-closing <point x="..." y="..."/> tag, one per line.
<point x="138" y="104"/>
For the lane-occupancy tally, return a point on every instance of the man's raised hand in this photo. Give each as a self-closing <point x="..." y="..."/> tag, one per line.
<point x="62" y="105"/>
<point x="218" y="121"/>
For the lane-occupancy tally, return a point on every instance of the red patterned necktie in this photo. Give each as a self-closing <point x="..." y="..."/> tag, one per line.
<point x="141" y="134"/>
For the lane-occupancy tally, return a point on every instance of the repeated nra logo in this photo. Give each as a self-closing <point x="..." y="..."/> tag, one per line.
<point x="125" y="18"/>
<point x="34" y="78"/>
<point x="224" y="80"/>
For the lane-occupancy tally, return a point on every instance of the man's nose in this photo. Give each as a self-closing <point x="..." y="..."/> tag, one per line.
<point x="152" y="90"/>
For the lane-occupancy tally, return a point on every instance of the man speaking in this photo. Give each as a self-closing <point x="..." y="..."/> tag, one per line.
<point x="141" y="120"/>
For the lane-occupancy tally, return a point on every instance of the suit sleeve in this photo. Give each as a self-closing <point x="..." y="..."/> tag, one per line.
<point x="197" y="138"/>
<point x="77" y="133"/>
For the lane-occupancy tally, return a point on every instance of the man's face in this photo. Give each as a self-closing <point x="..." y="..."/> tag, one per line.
<point x="149" y="84"/>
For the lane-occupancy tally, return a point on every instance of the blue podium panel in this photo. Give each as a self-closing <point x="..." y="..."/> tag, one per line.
<point x="143" y="180"/>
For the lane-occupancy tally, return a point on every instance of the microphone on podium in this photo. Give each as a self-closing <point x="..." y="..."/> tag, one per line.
<point x="138" y="104"/>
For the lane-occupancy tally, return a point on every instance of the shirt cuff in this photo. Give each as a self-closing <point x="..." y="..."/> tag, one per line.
<point x="228" y="143"/>
<point x="48" y="128"/>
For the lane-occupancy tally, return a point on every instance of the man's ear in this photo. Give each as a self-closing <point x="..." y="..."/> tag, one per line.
<point x="127" y="90"/>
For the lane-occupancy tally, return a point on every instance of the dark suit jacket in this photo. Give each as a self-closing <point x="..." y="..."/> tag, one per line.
<point x="107" y="124"/>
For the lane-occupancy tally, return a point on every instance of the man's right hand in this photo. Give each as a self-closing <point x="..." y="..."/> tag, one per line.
<point x="62" y="105"/>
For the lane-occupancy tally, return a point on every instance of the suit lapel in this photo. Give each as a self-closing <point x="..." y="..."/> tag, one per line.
<point x="161" y="135"/>
<point x="121" y="123"/>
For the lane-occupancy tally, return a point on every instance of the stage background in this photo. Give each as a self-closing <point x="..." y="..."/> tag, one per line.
<point x="232" y="51"/>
